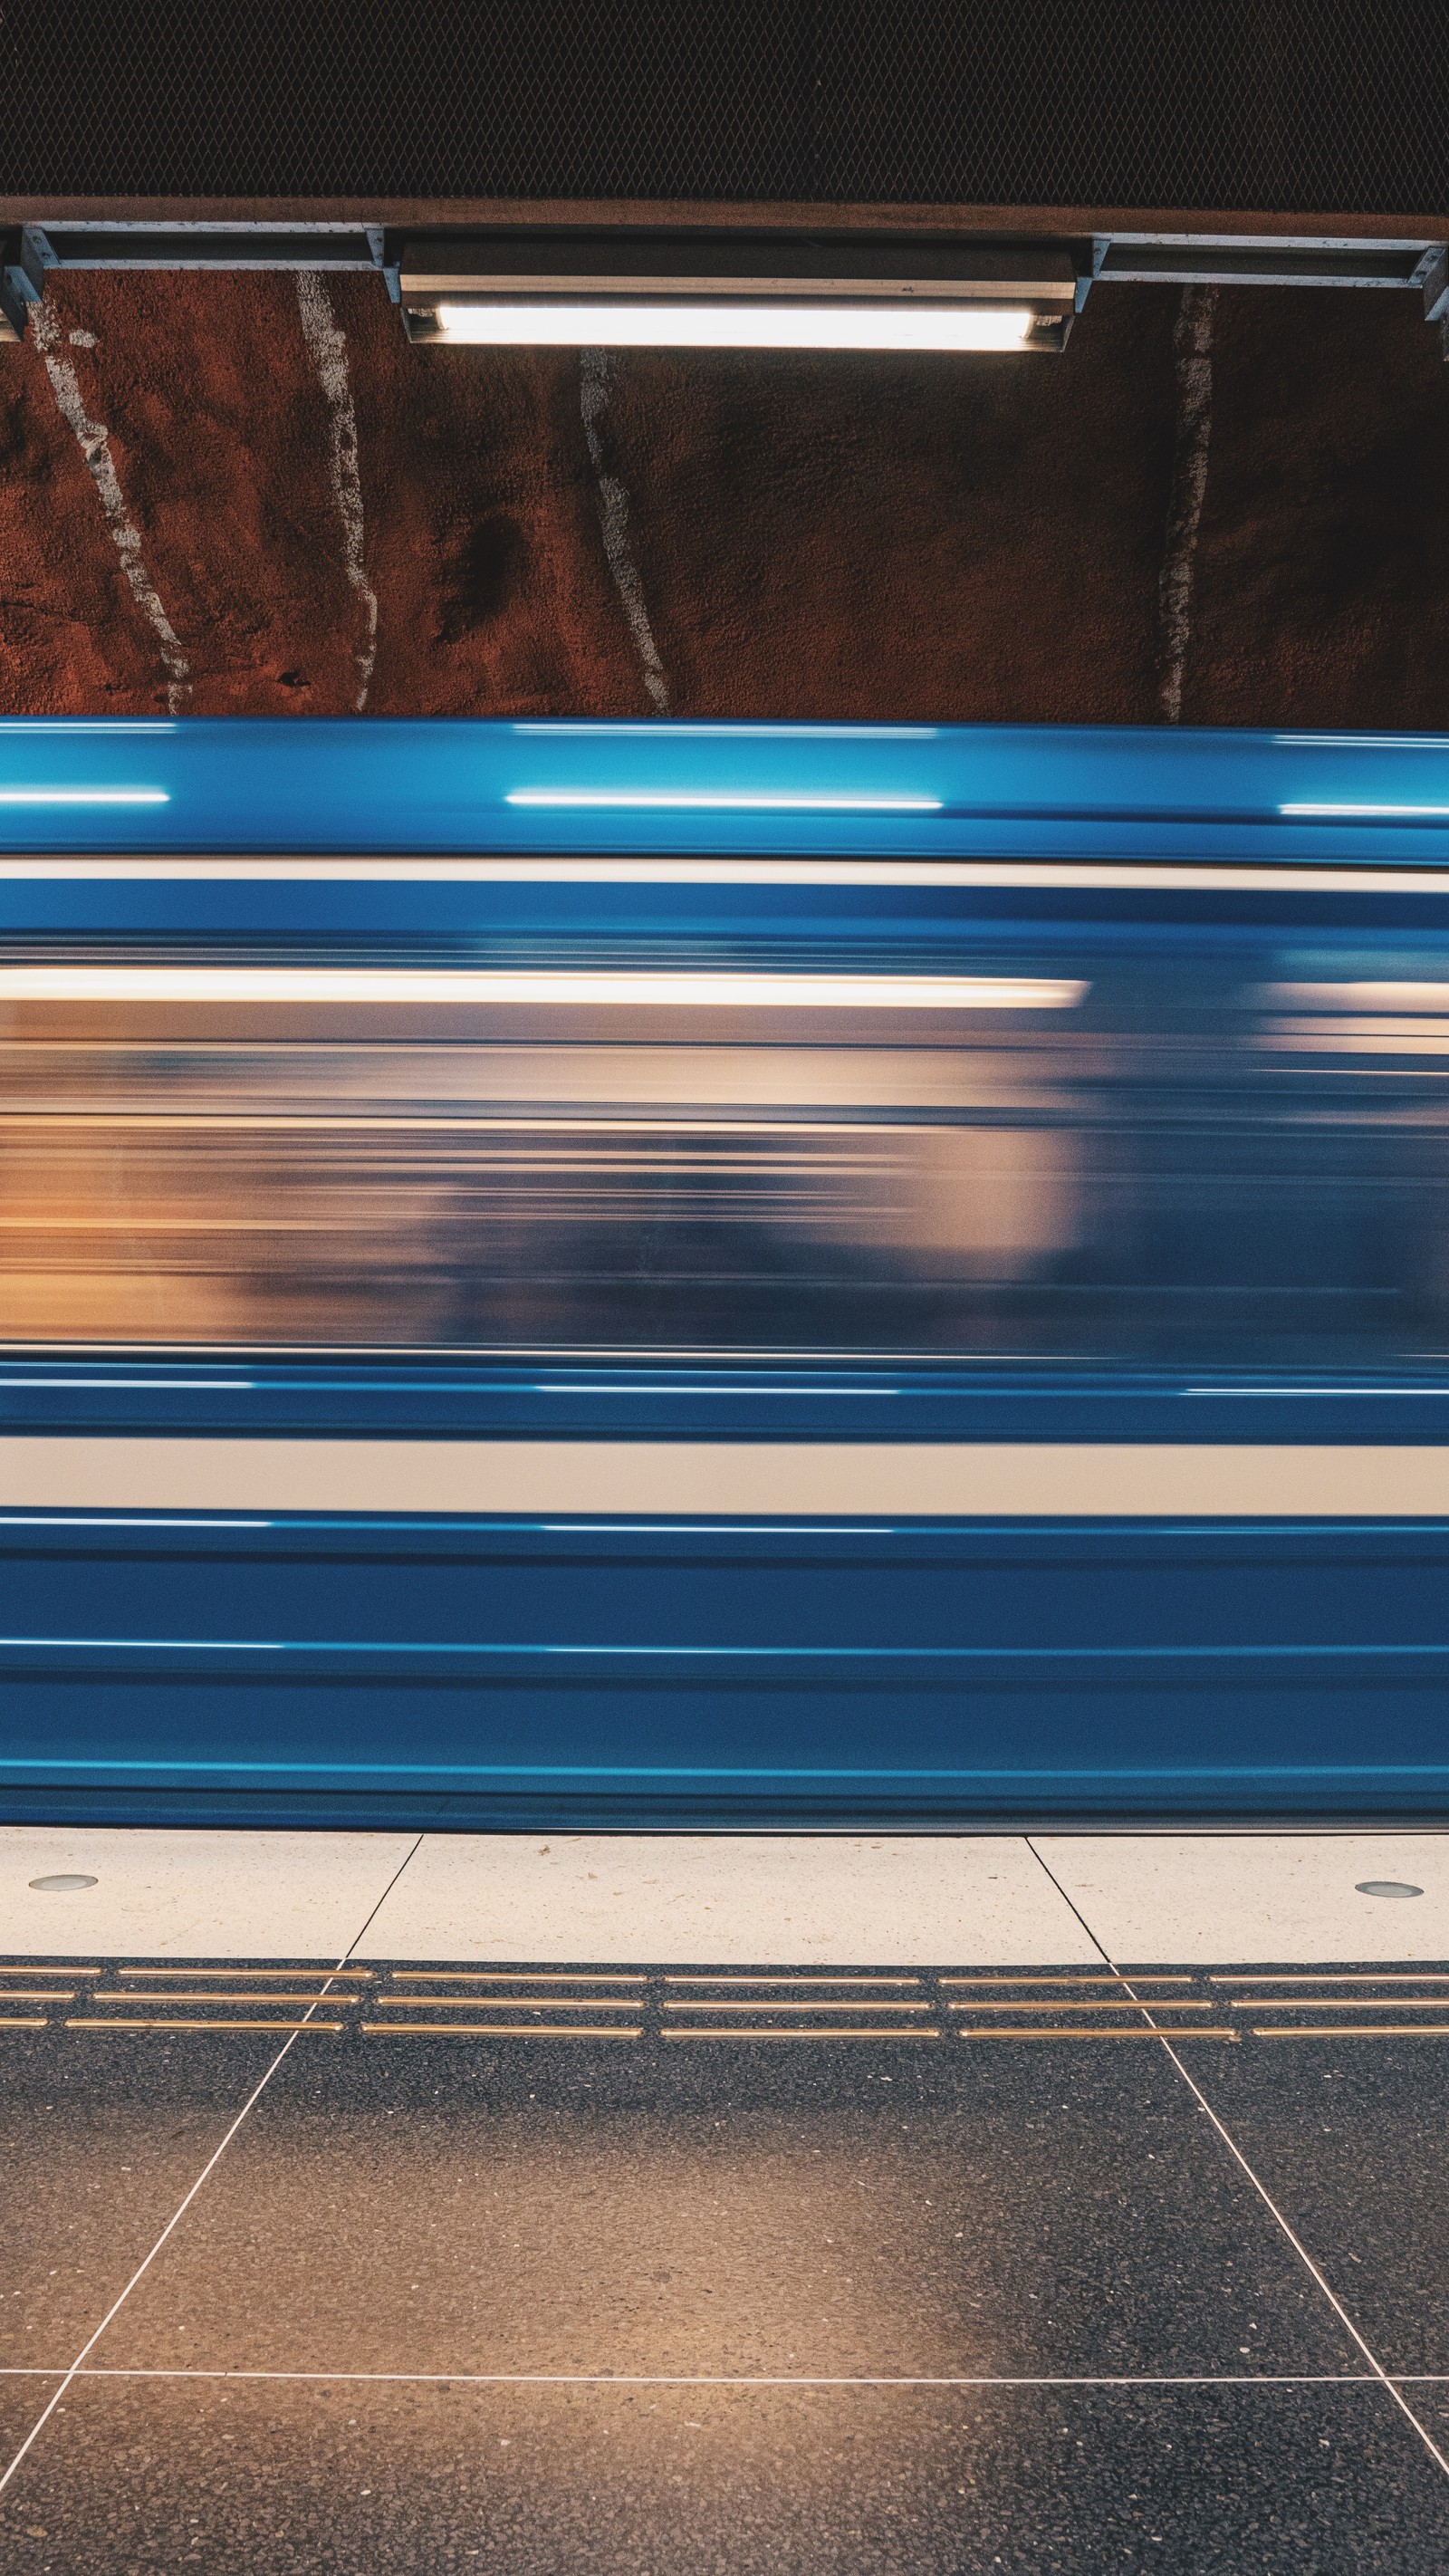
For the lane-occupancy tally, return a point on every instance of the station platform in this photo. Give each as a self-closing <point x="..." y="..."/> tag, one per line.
<point x="660" y="2203"/>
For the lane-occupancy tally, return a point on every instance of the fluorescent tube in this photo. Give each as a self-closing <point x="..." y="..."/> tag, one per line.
<point x="709" y="324"/>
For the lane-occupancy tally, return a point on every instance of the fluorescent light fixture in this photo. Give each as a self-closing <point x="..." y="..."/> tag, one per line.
<point x="84" y="796"/>
<point x="1372" y="813"/>
<point x="712" y="325"/>
<point x="482" y="988"/>
<point x="717" y="800"/>
<point x="633" y="287"/>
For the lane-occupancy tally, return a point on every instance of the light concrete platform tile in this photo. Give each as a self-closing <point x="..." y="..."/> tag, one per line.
<point x="1258" y="1898"/>
<point x="189" y="1895"/>
<point x="760" y="1899"/>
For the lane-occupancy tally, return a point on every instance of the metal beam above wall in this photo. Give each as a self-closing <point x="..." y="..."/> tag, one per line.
<point x="1186" y="259"/>
<point x="30" y="253"/>
<point x="203" y="246"/>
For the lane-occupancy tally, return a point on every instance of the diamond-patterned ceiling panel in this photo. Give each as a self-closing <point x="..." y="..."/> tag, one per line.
<point x="1286" y="105"/>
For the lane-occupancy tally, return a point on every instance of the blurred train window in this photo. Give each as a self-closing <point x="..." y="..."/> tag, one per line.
<point x="1155" y="1156"/>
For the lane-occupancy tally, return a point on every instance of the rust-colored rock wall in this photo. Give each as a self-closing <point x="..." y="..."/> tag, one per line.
<point x="968" y="538"/>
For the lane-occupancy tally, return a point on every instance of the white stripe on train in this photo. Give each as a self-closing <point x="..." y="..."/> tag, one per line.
<point x="1126" y="877"/>
<point x="666" y="1478"/>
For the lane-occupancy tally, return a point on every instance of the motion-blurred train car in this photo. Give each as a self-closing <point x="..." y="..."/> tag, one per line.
<point x="563" y="1272"/>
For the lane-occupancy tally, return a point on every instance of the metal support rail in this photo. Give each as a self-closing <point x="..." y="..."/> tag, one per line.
<point x="32" y="252"/>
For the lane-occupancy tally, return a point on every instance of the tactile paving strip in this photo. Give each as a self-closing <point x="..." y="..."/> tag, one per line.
<point x="730" y="2006"/>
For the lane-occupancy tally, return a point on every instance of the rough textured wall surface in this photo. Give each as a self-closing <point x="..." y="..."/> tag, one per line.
<point x="1254" y="496"/>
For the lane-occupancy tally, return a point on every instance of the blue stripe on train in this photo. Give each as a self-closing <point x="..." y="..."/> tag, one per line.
<point x="538" y="1674"/>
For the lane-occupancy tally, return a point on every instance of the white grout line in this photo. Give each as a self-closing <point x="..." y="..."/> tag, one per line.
<point x="1261" y="2188"/>
<point x="213" y="2160"/>
<point x="760" y="2379"/>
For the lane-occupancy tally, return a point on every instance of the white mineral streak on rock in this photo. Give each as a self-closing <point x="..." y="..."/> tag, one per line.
<point x="1192" y="348"/>
<point x="614" y="521"/>
<point x="94" y="442"/>
<point x="327" y="348"/>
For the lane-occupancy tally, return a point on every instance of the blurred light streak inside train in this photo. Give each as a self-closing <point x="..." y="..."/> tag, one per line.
<point x="920" y="1040"/>
<point x="80" y="983"/>
<point x="1097" y="1151"/>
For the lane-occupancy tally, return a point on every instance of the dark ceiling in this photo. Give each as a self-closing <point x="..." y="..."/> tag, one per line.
<point x="1270" y="105"/>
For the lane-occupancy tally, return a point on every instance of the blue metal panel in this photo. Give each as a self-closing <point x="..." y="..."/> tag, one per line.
<point x="533" y="1673"/>
<point x="261" y="1395"/>
<point x="950" y="791"/>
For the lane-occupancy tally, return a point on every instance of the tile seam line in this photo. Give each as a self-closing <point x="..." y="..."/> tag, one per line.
<point x="680" y="2379"/>
<point x="213" y="2160"/>
<point x="1388" y="2384"/>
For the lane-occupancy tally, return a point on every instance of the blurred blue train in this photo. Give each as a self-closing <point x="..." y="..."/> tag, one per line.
<point x="563" y="1272"/>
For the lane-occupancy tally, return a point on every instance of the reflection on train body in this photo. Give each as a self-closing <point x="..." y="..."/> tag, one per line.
<point x="1196" y="1159"/>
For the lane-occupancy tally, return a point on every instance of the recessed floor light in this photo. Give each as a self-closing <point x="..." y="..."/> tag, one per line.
<point x="1386" y="1887"/>
<point x="68" y="1883"/>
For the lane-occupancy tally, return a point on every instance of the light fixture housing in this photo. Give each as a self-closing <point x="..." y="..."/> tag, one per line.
<point x="638" y="288"/>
